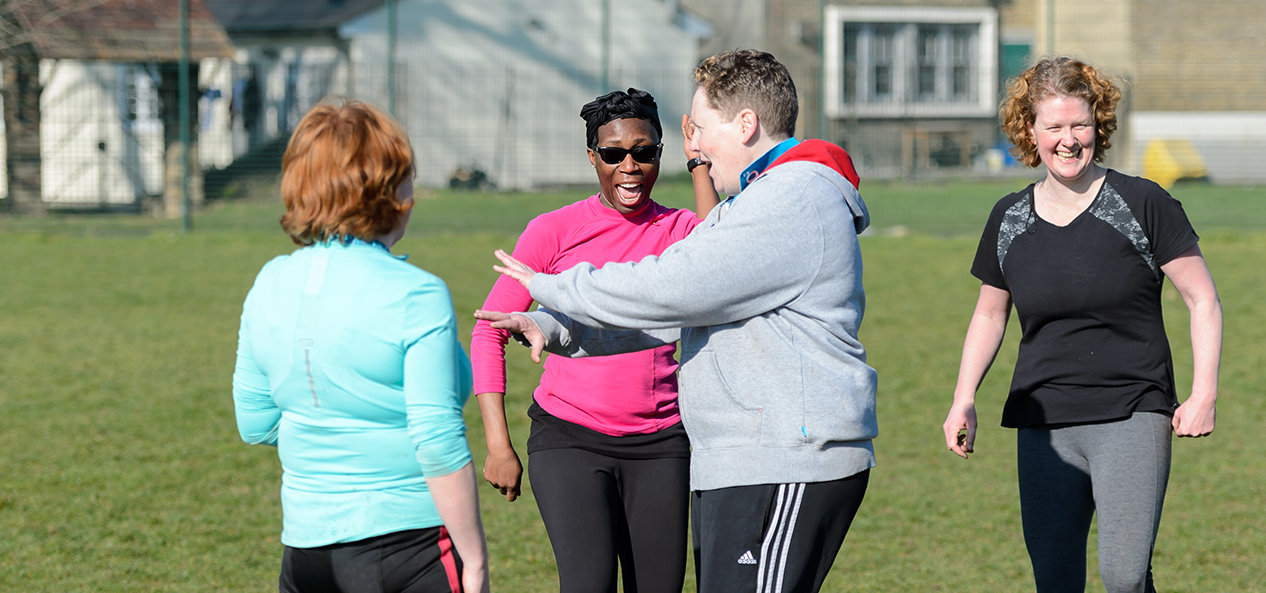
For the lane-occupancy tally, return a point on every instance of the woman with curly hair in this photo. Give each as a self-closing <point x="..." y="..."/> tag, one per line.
<point x="1083" y="254"/>
<point x="348" y="362"/>
<point x="608" y="457"/>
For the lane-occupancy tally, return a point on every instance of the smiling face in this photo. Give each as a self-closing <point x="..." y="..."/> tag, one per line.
<point x="626" y="186"/>
<point x="1064" y="133"/>
<point x="720" y="142"/>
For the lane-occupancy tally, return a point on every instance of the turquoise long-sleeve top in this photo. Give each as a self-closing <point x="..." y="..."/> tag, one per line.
<point x="348" y="362"/>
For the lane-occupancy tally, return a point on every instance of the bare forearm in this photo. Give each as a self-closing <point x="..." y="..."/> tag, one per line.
<point x="457" y="500"/>
<point x="1190" y="276"/>
<point x="496" y="431"/>
<point x="984" y="337"/>
<point x="705" y="194"/>
<point x="502" y="470"/>
<point x="1206" y="347"/>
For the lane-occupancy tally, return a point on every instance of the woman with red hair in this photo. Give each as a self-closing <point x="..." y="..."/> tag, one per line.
<point x="348" y="362"/>
<point x="1083" y="254"/>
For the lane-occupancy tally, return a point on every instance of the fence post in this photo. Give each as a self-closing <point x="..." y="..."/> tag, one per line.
<point x="186" y="219"/>
<point x="391" y="57"/>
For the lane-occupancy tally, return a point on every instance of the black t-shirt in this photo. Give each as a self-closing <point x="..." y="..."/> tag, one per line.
<point x="1088" y="297"/>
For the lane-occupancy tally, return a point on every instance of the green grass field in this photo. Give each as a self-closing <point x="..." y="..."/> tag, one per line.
<point x="121" y="469"/>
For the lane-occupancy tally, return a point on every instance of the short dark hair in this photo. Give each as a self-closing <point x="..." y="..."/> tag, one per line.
<point x="751" y="79"/>
<point x="341" y="174"/>
<point x="1057" y="77"/>
<point x="615" y="105"/>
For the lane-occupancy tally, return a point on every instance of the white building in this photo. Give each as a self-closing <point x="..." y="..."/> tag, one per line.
<point x="497" y="85"/>
<point x="93" y="90"/>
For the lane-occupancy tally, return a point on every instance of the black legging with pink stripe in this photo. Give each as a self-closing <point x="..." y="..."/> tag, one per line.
<point x="411" y="561"/>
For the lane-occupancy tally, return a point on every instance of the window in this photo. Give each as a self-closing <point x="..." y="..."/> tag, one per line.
<point x="883" y="62"/>
<point x="140" y="97"/>
<point x="910" y="61"/>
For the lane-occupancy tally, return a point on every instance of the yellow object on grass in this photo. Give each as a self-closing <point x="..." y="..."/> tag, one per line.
<point x="1167" y="161"/>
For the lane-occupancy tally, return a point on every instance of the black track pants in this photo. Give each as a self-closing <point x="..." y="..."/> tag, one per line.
<point x="772" y="538"/>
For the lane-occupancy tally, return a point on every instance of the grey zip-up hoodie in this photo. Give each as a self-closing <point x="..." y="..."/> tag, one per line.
<point x="766" y="298"/>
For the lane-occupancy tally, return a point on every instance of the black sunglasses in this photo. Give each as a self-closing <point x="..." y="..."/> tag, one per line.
<point x="642" y="154"/>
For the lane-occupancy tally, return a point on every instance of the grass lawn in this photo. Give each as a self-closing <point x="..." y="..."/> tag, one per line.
<point x="121" y="469"/>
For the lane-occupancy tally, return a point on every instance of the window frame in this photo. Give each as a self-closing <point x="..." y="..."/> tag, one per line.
<point x="905" y="78"/>
<point x="141" y="104"/>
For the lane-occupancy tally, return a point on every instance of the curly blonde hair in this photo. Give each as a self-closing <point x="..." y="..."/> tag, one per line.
<point x="1057" y="77"/>
<point x="342" y="172"/>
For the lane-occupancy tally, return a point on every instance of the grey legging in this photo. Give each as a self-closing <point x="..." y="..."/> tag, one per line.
<point x="1118" y="470"/>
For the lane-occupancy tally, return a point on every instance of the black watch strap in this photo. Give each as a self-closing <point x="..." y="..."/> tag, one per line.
<point x="695" y="162"/>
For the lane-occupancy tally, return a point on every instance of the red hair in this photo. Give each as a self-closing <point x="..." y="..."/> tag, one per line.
<point x="1057" y="77"/>
<point x="341" y="174"/>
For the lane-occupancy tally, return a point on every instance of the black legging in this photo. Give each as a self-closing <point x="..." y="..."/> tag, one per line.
<point x="597" y="508"/>
<point x="411" y="561"/>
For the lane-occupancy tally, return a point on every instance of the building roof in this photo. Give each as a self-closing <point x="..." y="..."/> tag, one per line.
<point x="117" y="30"/>
<point x="287" y="15"/>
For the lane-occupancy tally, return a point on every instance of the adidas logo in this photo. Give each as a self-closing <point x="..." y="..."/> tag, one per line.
<point x="747" y="558"/>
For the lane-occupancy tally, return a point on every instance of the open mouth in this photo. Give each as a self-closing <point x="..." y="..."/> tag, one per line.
<point x="630" y="194"/>
<point x="1068" y="155"/>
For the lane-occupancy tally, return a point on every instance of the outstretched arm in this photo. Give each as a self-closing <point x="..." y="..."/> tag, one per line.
<point x="1190" y="275"/>
<point x="984" y="337"/>
<point x="705" y="192"/>
<point x="515" y="269"/>
<point x="522" y="327"/>
<point x="549" y="330"/>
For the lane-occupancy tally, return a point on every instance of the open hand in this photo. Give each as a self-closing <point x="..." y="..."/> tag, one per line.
<point x="517" y="323"/>
<point x="514" y="269"/>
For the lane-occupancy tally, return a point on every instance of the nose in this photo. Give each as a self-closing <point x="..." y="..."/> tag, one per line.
<point x="629" y="164"/>
<point x="694" y="142"/>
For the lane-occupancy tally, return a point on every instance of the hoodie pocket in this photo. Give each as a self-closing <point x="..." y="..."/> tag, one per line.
<point x="714" y="417"/>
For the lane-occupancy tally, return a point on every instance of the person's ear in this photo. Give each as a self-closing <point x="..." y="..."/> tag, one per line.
<point x="749" y="124"/>
<point x="592" y="162"/>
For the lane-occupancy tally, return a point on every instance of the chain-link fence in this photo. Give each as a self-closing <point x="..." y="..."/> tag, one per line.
<point x="491" y="100"/>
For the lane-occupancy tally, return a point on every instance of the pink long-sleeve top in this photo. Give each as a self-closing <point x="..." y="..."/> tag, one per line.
<point x="634" y="393"/>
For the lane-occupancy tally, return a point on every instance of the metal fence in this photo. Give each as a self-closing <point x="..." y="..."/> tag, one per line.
<point x="911" y="92"/>
<point x="104" y="142"/>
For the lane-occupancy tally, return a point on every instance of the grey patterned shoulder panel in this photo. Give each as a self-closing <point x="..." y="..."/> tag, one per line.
<point x="1111" y="208"/>
<point x="1017" y="219"/>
